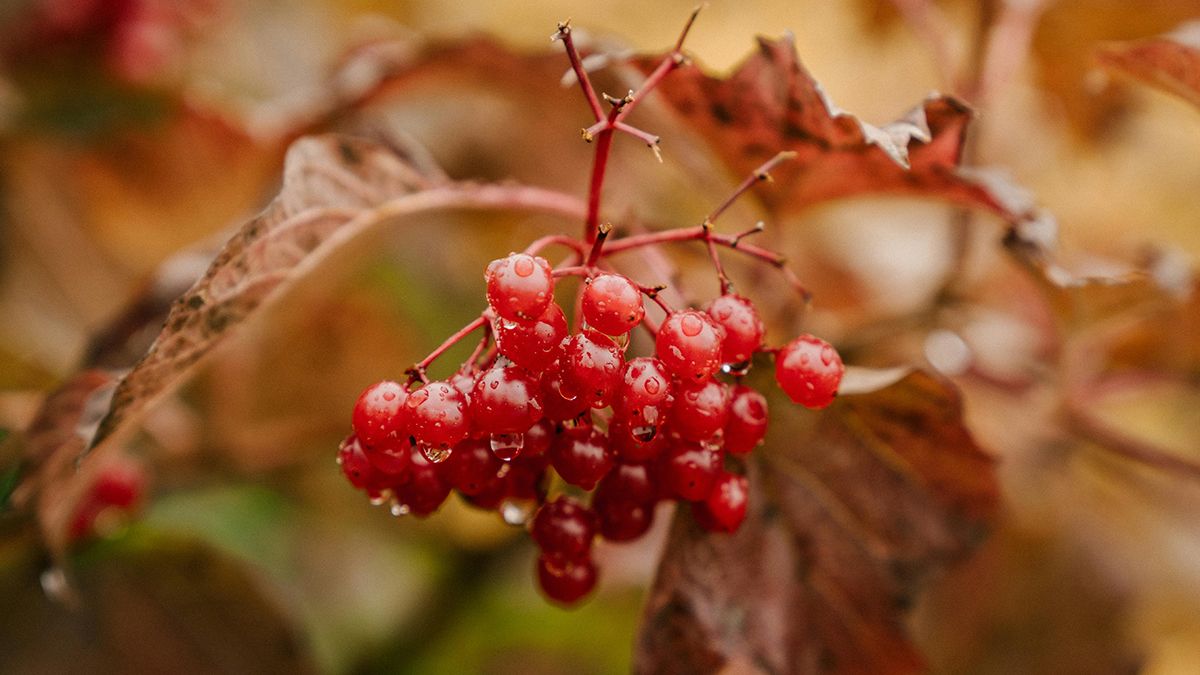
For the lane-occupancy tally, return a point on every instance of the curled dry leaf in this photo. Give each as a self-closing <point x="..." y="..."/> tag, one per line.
<point x="771" y="103"/>
<point x="875" y="495"/>
<point x="1170" y="62"/>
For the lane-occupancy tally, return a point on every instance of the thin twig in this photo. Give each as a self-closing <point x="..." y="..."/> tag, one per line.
<point x="417" y="371"/>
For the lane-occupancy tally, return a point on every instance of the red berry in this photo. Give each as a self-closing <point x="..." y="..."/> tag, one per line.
<point x="612" y="304"/>
<point x="743" y="328"/>
<point x="689" y="470"/>
<point x="560" y="403"/>
<point x="538" y="439"/>
<point x="592" y="366"/>
<point x="564" y="528"/>
<point x="747" y="423"/>
<point x="689" y="345"/>
<point x="464" y="382"/>
<point x="536" y="345"/>
<point x="359" y="470"/>
<point x="519" y="287"/>
<point x="472" y="468"/>
<point x="620" y="519"/>
<point x="437" y="416"/>
<point x="566" y="581"/>
<point x="809" y="370"/>
<point x="581" y="456"/>
<point x="379" y="413"/>
<point x="424" y="490"/>
<point x="390" y="457"/>
<point x="700" y="410"/>
<point x="635" y="447"/>
<point x="630" y="483"/>
<point x="117" y="490"/>
<point x="504" y="401"/>
<point x="526" y="478"/>
<point x="643" y="396"/>
<point x="725" y="507"/>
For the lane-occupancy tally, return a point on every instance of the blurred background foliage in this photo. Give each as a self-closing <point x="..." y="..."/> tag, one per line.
<point x="131" y="130"/>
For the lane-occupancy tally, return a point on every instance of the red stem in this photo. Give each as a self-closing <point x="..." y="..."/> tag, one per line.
<point x="589" y="92"/>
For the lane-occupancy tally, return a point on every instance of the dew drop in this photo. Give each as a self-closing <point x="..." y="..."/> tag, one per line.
<point x="434" y="454"/>
<point x="399" y="509"/>
<point x="516" y="512"/>
<point x="646" y="433"/>
<point x="55" y="585"/>
<point x="691" y="325"/>
<point x="523" y="266"/>
<point x="736" y="369"/>
<point x="827" y="355"/>
<point x="378" y="499"/>
<point x="338" y="459"/>
<point x="652" y="386"/>
<point x="507" y="446"/>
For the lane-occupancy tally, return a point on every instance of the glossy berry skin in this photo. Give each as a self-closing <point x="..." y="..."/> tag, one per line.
<point x="538" y="439"/>
<point x="504" y="401"/>
<point x="519" y="287"/>
<point x="621" y="519"/>
<point x="534" y="346"/>
<point x="747" y="423"/>
<point x="437" y="415"/>
<point x="378" y="414"/>
<point x="464" y="382"/>
<point x="560" y="402"/>
<point x="725" y="507"/>
<point x="472" y="468"/>
<point x="390" y="457"/>
<point x="689" y="470"/>
<point x="689" y="345"/>
<point x="592" y="366"/>
<point x="581" y="456"/>
<point x="635" y="447"/>
<point x="424" y="490"/>
<point x="742" y="326"/>
<point x="564" y="528"/>
<point x="612" y="304"/>
<point x="643" y="396"/>
<point x="357" y="469"/>
<point x="700" y="410"/>
<point x="809" y="370"/>
<point x="566" y="581"/>
<point x="630" y="483"/>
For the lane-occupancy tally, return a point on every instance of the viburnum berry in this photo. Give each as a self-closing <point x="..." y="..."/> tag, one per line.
<point x="424" y="489"/>
<point x="809" y="370"/>
<point x="629" y="482"/>
<point x="581" y="456"/>
<point x="390" y="457"/>
<point x="566" y="581"/>
<point x="534" y="346"/>
<point x="743" y="328"/>
<point x="437" y="416"/>
<point x="689" y="345"/>
<point x="637" y="446"/>
<point x="689" y="470"/>
<point x="560" y="402"/>
<point x="519" y="287"/>
<point x="621" y="519"/>
<point x="538" y="439"/>
<point x="611" y="304"/>
<point x="472" y="468"/>
<point x="747" y="423"/>
<point x="700" y="410"/>
<point x="592" y="365"/>
<point x="504" y="401"/>
<point x="643" y="395"/>
<point x="379" y="413"/>
<point x="359" y="470"/>
<point x="564" y="528"/>
<point x="725" y="507"/>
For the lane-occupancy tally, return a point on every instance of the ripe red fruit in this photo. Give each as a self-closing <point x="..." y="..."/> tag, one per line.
<point x="689" y="345"/>
<point x="378" y="414"/>
<point x="359" y="470"/>
<point x="612" y="304"/>
<point x="592" y="366"/>
<point x="538" y="439"/>
<point x="534" y="346"/>
<point x="725" y="507"/>
<point x="809" y="370"/>
<point x="424" y="490"/>
<point x="581" y="456"/>
<point x="504" y="401"/>
<point x="519" y="287"/>
<point x="390" y="457"/>
<point x="621" y="519"/>
<point x="472" y="468"/>
<point x="634" y="447"/>
<point x="643" y="395"/>
<point x="743" y="328"/>
<point x="566" y="581"/>
<point x="437" y="416"/>
<point x="747" y="423"/>
<point x="689" y="470"/>
<point x="564" y="528"/>
<point x="700" y="410"/>
<point x="630" y="483"/>
<point x="560" y="402"/>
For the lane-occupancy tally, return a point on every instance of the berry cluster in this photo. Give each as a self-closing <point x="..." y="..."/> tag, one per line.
<point x="633" y="432"/>
<point x="537" y="399"/>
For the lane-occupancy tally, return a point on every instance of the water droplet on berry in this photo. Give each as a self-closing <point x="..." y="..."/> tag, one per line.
<point x="399" y="509"/>
<point x="804" y="359"/>
<point x="736" y="369"/>
<point x="827" y="355"/>
<point x="389" y="396"/>
<point x="516" y="512"/>
<point x="691" y="325"/>
<point x="378" y="499"/>
<point x="338" y="459"/>
<point x="507" y="446"/>
<point x="434" y="454"/>
<point x="55" y="585"/>
<point x="645" y="433"/>
<point x="523" y="266"/>
<point x="652" y="385"/>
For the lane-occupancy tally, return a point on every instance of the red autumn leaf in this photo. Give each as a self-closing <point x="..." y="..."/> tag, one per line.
<point x="1170" y="62"/>
<point x="851" y="517"/>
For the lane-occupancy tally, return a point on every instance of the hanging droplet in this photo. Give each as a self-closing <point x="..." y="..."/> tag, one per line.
<point x="507" y="446"/>
<point x="55" y="585"/>
<point x="645" y="433"/>
<point x="399" y="509"/>
<point x="736" y="369"/>
<point x="517" y="512"/>
<point x="434" y="453"/>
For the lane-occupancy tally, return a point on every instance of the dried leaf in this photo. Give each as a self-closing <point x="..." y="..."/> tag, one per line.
<point x="1170" y="63"/>
<point x="879" y="493"/>
<point x="771" y="103"/>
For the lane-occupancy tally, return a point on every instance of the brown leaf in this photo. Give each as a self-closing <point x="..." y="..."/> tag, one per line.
<point x="874" y="496"/>
<point x="1170" y="63"/>
<point x="771" y="104"/>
